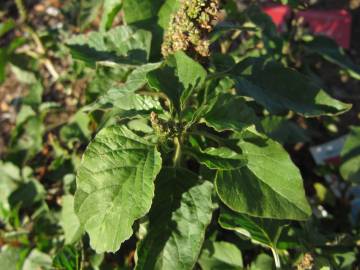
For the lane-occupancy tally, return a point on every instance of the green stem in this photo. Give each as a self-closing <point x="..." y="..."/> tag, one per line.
<point x="21" y="9"/>
<point x="276" y="258"/>
<point x="177" y="155"/>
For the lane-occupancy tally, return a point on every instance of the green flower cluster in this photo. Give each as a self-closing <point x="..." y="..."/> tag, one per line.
<point x="189" y="27"/>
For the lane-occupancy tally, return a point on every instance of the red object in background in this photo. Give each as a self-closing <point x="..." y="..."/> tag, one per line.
<point x="278" y="14"/>
<point x="332" y="23"/>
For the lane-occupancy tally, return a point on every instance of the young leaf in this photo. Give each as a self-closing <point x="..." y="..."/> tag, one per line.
<point x="115" y="185"/>
<point x="180" y="213"/>
<point x="280" y="89"/>
<point x="230" y="113"/>
<point x="178" y="78"/>
<point x="270" y="186"/>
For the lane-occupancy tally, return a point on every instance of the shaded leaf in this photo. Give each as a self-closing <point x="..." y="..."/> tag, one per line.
<point x="178" y="78"/>
<point x="350" y="156"/>
<point x="280" y="89"/>
<point x="330" y="51"/>
<point x="283" y="130"/>
<point x="180" y="213"/>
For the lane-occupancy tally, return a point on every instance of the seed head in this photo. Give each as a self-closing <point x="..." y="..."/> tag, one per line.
<point x="190" y="26"/>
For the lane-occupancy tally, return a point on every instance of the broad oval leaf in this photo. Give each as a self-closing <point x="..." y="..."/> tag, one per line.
<point x="270" y="186"/>
<point x="115" y="185"/>
<point x="180" y="213"/>
<point x="280" y="89"/>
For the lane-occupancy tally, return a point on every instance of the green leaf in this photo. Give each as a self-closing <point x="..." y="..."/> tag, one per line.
<point x="27" y="194"/>
<point x="180" y="213"/>
<point x="140" y="10"/>
<point x="178" y="78"/>
<point x="123" y="45"/>
<point x="270" y="186"/>
<point x="37" y="260"/>
<point x="265" y="232"/>
<point x="280" y="89"/>
<point x="6" y="26"/>
<point x="69" y="220"/>
<point x="122" y="100"/>
<point x="350" y="156"/>
<point x="236" y="116"/>
<point x="110" y="9"/>
<point x="10" y="175"/>
<point x="137" y="79"/>
<point x="34" y="97"/>
<point x="191" y="75"/>
<point x="283" y="130"/>
<point x="87" y="12"/>
<point x="220" y="256"/>
<point x="151" y="15"/>
<point x="263" y="261"/>
<point x="115" y="185"/>
<point x="167" y="9"/>
<point x="330" y="51"/>
<point x="67" y="258"/>
<point x="10" y="258"/>
<point x="221" y="158"/>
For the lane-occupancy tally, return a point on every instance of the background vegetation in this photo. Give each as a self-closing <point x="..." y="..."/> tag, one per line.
<point x="49" y="85"/>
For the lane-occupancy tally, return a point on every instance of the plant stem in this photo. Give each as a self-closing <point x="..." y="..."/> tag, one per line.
<point x="21" y="9"/>
<point x="177" y="155"/>
<point x="276" y="258"/>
